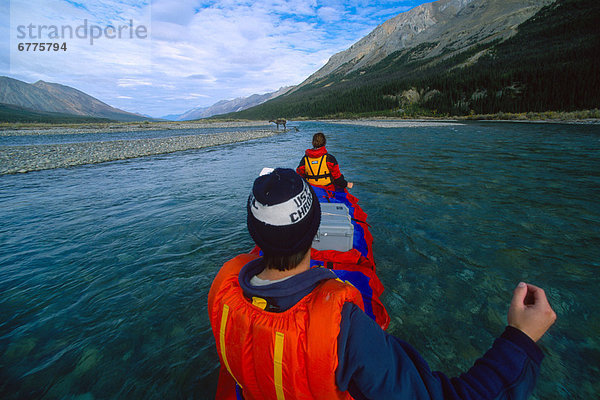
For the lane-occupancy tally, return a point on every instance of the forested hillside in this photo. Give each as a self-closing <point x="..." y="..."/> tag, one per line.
<point x="551" y="64"/>
<point x="12" y="113"/>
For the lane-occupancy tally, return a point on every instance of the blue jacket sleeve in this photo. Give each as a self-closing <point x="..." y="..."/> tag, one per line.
<point x="376" y="365"/>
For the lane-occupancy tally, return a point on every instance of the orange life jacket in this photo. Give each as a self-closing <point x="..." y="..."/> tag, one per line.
<point x="317" y="172"/>
<point x="288" y="355"/>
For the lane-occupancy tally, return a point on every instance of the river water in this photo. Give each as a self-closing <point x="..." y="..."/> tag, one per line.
<point x="105" y="269"/>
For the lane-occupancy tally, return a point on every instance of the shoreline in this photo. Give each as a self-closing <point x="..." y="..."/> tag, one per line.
<point x="29" y="158"/>
<point x="14" y="129"/>
<point x="451" y="121"/>
<point x="74" y="129"/>
<point x="393" y="123"/>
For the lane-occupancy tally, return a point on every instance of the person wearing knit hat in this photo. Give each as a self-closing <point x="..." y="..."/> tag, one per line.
<point x="284" y="330"/>
<point x="283" y="214"/>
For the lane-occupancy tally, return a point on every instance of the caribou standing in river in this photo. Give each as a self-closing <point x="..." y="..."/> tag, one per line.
<point x="279" y="121"/>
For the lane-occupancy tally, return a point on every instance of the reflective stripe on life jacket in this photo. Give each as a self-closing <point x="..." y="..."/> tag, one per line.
<point x="288" y="355"/>
<point x="317" y="171"/>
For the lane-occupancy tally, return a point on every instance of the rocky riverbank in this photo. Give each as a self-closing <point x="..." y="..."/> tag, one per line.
<point x="414" y="123"/>
<point x="75" y="129"/>
<point x="21" y="159"/>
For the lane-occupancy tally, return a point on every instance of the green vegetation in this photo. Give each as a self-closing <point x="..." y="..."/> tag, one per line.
<point x="15" y="114"/>
<point x="552" y="63"/>
<point x="537" y="116"/>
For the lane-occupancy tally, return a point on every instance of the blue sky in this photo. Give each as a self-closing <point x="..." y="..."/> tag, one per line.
<point x="160" y="57"/>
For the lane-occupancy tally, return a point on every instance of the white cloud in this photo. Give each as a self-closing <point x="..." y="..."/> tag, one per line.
<point x="128" y="82"/>
<point x="197" y="52"/>
<point x="330" y="14"/>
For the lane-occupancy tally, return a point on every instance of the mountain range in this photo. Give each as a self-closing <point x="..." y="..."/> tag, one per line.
<point x="458" y="57"/>
<point x="228" y="106"/>
<point x="52" y="102"/>
<point x="48" y="97"/>
<point x="449" y="57"/>
<point x="453" y="25"/>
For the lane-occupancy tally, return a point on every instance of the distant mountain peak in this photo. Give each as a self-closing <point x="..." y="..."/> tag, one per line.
<point x="453" y="25"/>
<point x="54" y="97"/>
<point x="227" y="106"/>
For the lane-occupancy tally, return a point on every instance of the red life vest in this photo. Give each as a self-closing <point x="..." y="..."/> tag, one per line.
<point x="288" y="355"/>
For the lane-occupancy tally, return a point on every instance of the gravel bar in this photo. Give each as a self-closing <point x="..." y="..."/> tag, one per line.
<point x="21" y="159"/>
<point x="127" y="127"/>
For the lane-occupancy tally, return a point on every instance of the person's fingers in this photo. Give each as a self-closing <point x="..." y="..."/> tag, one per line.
<point x="537" y="292"/>
<point x="541" y="301"/>
<point x="519" y="295"/>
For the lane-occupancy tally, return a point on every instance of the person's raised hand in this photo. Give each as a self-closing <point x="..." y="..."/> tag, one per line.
<point x="349" y="185"/>
<point x="530" y="311"/>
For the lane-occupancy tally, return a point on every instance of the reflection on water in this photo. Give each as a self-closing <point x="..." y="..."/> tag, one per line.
<point x="105" y="269"/>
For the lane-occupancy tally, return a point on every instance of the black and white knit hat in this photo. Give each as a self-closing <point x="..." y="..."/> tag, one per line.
<point x="283" y="213"/>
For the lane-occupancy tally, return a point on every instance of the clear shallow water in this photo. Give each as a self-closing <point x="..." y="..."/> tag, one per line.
<point x="105" y="269"/>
